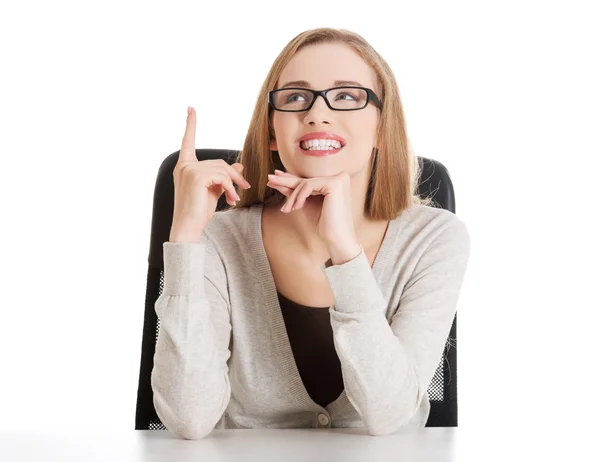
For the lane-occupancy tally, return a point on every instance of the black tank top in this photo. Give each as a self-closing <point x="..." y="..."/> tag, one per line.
<point x="311" y="338"/>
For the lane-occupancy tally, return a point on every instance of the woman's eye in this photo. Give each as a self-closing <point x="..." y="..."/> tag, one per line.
<point x="347" y="94"/>
<point x="293" y="95"/>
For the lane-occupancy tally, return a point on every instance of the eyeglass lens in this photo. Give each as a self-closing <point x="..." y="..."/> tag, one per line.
<point x="295" y="99"/>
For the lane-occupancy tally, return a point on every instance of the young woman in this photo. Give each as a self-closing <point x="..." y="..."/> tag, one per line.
<point x="325" y="296"/>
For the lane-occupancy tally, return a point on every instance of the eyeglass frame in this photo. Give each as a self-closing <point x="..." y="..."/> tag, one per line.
<point x="371" y="96"/>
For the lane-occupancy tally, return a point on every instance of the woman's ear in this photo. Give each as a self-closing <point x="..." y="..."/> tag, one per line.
<point x="273" y="145"/>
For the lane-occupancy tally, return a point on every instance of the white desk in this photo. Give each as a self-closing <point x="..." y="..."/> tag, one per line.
<point x="306" y="445"/>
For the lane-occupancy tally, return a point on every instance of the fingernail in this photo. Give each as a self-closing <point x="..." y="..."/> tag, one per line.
<point x="189" y="109"/>
<point x="238" y="197"/>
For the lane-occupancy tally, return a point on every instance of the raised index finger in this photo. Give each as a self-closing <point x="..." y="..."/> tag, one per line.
<point x="188" y="145"/>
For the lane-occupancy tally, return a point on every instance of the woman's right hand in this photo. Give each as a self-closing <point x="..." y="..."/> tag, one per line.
<point x="198" y="186"/>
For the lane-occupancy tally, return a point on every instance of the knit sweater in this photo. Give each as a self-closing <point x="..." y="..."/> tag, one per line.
<point x="223" y="358"/>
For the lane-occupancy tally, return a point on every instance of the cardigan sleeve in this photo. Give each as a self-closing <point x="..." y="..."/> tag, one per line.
<point x="190" y="382"/>
<point x="387" y="367"/>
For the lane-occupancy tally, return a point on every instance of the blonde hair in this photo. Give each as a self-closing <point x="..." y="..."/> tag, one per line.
<point x="395" y="171"/>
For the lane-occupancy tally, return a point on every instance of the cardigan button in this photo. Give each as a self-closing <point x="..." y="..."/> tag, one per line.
<point x="323" y="419"/>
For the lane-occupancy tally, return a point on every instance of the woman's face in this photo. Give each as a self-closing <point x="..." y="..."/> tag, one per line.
<point x="320" y="66"/>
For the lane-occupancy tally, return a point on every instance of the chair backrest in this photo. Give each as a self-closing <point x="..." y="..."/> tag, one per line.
<point x="434" y="182"/>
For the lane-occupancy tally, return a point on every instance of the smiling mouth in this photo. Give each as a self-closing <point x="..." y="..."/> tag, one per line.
<point x="320" y="150"/>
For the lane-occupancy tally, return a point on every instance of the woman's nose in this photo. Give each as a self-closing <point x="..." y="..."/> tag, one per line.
<point x="319" y="111"/>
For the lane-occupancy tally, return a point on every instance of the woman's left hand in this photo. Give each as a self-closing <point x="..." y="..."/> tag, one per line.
<point x="327" y="202"/>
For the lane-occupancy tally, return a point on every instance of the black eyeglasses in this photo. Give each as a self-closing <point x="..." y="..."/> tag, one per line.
<point x="337" y="98"/>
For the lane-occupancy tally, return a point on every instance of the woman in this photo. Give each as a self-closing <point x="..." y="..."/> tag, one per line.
<point x="328" y="217"/>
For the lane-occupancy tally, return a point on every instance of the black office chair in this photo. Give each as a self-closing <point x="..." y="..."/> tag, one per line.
<point x="434" y="183"/>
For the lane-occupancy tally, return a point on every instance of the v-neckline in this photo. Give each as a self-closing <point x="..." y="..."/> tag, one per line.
<point x="278" y="330"/>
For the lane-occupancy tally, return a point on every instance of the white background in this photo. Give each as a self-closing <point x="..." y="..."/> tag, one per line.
<point x="93" y="97"/>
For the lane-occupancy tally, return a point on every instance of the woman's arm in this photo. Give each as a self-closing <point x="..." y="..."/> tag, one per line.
<point x="190" y="376"/>
<point x="388" y="367"/>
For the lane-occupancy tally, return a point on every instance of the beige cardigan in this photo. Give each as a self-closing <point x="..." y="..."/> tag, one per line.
<point x="223" y="358"/>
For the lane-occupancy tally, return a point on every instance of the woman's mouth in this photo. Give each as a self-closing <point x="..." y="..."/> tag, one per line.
<point x="320" y="148"/>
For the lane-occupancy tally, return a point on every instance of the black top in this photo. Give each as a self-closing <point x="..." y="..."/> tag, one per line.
<point x="311" y="338"/>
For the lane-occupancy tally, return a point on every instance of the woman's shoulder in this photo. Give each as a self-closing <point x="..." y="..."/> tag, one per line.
<point x="233" y="228"/>
<point x="425" y="223"/>
<point x="231" y="216"/>
<point x="429" y="216"/>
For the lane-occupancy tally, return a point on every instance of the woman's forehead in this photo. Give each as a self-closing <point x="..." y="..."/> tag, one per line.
<point x="320" y="66"/>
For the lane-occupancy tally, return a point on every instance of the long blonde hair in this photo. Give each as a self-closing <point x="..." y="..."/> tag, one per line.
<point x="395" y="171"/>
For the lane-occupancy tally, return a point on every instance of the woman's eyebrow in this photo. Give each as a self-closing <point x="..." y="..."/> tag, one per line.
<point x="304" y="83"/>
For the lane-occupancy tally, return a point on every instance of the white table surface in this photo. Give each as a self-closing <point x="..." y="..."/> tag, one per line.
<point x="306" y="445"/>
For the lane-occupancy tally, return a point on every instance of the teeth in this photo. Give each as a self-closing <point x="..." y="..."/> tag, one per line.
<point x="320" y="144"/>
<point x="320" y="148"/>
